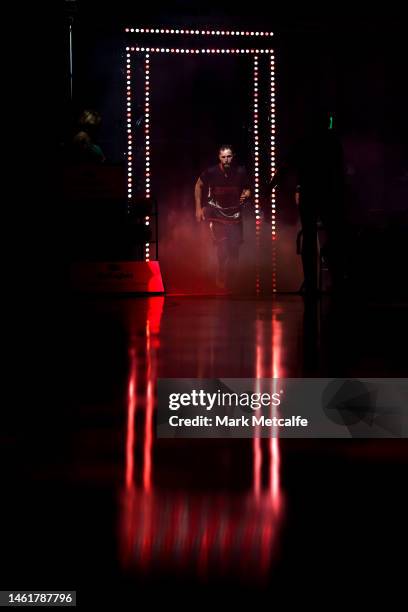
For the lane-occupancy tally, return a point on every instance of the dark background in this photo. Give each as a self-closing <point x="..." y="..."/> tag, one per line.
<point x="339" y="58"/>
<point x="346" y="59"/>
<point x="352" y="56"/>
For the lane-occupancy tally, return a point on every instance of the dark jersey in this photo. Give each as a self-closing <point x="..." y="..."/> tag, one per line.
<point x="225" y="186"/>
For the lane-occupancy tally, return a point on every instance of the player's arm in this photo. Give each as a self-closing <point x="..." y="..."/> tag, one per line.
<point x="198" y="196"/>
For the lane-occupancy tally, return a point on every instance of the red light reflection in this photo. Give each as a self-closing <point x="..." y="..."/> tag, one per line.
<point x="206" y="535"/>
<point x="142" y="353"/>
<point x="274" y="452"/>
<point x="268" y="365"/>
<point x="131" y="409"/>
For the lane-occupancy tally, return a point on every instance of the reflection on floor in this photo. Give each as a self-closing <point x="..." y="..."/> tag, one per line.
<point x="115" y="507"/>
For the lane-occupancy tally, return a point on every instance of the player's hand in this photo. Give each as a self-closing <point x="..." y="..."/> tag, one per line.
<point x="244" y="196"/>
<point x="200" y="215"/>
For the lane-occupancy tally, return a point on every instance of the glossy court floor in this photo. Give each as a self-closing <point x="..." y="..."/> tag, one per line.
<point x="97" y="503"/>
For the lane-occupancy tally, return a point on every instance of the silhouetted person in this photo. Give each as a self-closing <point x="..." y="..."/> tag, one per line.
<point x="84" y="148"/>
<point x="220" y="192"/>
<point x="317" y="161"/>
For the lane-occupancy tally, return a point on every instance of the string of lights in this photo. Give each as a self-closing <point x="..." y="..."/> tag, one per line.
<point x="197" y="32"/>
<point x="147" y="51"/>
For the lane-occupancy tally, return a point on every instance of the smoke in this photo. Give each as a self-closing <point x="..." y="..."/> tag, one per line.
<point x="188" y="256"/>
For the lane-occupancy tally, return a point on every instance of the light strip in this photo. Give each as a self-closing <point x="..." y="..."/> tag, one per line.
<point x="256" y="167"/>
<point x="147" y="118"/>
<point x="187" y="51"/>
<point x="273" y="169"/>
<point x="147" y="143"/>
<point x="197" y="32"/>
<point x="129" y="126"/>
